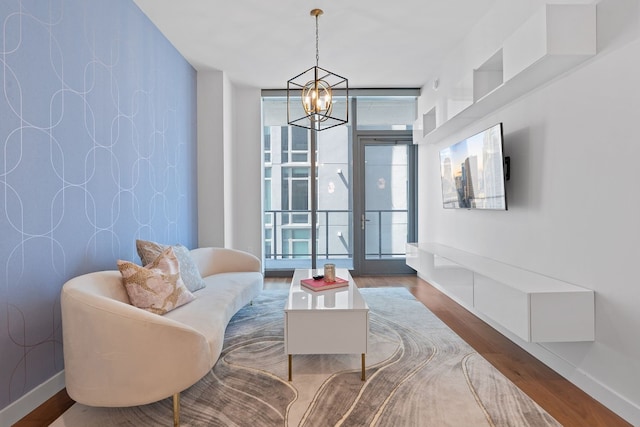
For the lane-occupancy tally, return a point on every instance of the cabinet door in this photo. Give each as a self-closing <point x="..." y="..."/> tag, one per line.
<point x="504" y="304"/>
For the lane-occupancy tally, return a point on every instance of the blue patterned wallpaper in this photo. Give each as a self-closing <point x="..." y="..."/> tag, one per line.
<point x="98" y="146"/>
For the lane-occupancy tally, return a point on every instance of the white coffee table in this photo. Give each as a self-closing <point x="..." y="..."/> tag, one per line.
<point x="334" y="321"/>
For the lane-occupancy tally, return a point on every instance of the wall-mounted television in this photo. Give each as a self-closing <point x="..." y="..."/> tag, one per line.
<point x="473" y="172"/>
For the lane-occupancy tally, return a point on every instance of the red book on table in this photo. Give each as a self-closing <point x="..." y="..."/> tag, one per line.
<point x="321" y="285"/>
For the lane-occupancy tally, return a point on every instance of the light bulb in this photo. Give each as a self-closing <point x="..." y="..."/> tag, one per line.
<point x="327" y="101"/>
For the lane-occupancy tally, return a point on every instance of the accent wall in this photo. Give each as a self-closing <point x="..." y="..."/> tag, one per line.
<point x="98" y="148"/>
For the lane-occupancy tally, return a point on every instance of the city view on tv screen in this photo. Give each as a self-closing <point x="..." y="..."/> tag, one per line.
<point x="472" y="172"/>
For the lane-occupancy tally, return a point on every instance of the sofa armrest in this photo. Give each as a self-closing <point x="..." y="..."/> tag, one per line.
<point x="118" y="355"/>
<point x="222" y="260"/>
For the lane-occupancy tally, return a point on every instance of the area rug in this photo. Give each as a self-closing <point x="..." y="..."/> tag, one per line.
<point x="419" y="373"/>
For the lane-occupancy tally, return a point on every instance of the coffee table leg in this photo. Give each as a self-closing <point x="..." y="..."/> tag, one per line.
<point x="363" y="376"/>
<point x="290" y="357"/>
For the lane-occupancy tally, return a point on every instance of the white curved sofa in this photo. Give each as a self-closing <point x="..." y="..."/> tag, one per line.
<point x="118" y="355"/>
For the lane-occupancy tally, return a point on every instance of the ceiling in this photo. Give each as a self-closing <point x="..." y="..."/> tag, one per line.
<point x="260" y="43"/>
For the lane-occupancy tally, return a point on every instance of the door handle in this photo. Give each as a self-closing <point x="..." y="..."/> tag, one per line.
<point x="363" y="219"/>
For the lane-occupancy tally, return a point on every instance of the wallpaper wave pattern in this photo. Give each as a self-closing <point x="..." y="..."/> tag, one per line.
<point x="98" y="145"/>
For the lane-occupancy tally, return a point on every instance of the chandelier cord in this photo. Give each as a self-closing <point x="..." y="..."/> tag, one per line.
<point x="317" y="38"/>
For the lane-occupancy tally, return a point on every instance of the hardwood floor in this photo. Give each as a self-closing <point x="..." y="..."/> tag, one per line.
<point x="564" y="401"/>
<point x="47" y="413"/>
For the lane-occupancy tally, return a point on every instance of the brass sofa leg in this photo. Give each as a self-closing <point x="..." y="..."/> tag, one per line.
<point x="176" y="410"/>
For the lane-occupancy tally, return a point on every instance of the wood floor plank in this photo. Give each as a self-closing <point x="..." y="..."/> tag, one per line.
<point x="563" y="400"/>
<point x="47" y="413"/>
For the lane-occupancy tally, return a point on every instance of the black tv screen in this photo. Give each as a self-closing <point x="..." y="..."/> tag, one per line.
<point x="472" y="172"/>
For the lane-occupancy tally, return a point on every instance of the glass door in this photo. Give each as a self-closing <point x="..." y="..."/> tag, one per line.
<point x="384" y="204"/>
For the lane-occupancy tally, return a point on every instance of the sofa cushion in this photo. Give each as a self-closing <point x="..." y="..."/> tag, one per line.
<point x="215" y="305"/>
<point x="148" y="251"/>
<point x="158" y="287"/>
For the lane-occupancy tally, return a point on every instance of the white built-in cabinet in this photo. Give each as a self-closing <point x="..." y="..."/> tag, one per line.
<point x="532" y="306"/>
<point x="550" y="43"/>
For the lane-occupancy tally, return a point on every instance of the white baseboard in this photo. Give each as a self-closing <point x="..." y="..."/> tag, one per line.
<point x="30" y="401"/>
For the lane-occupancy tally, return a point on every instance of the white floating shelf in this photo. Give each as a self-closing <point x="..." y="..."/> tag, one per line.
<point x="550" y="43"/>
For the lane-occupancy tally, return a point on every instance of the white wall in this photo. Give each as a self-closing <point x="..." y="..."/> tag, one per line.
<point x="229" y="164"/>
<point x="210" y="158"/>
<point x="228" y="142"/>
<point x="573" y="205"/>
<point x="247" y="170"/>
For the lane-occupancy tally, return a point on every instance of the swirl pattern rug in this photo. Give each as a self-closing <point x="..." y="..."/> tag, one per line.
<point x="419" y="373"/>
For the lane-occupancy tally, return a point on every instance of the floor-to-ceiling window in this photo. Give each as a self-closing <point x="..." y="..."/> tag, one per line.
<point x="286" y="191"/>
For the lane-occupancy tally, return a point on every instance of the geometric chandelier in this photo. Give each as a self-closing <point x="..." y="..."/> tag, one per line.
<point x="317" y="98"/>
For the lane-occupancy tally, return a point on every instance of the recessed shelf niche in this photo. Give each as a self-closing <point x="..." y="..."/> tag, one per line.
<point x="429" y="121"/>
<point x="488" y="77"/>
